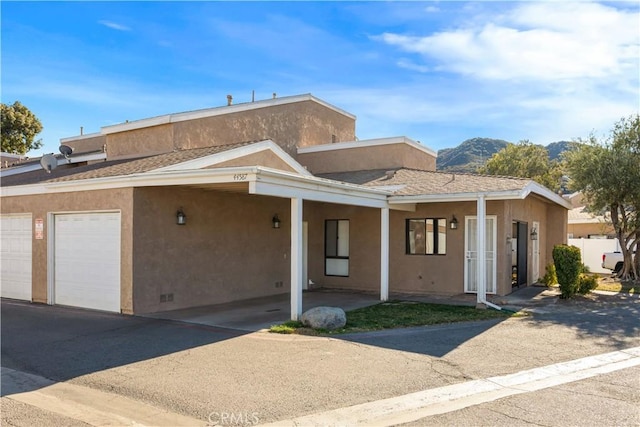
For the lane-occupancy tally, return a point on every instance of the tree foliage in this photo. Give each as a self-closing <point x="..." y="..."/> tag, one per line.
<point x="608" y="174"/>
<point x="525" y="160"/>
<point x="19" y="128"/>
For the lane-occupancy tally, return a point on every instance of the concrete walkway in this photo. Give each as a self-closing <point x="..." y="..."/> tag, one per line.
<point x="261" y="313"/>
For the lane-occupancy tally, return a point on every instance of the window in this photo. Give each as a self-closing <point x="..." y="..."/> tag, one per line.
<point x="427" y="236"/>
<point x="336" y="247"/>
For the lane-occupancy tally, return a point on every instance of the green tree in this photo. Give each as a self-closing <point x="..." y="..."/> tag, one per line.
<point x="19" y="128"/>
<point x="608" y="174"/>
<point x="525" y="160"/>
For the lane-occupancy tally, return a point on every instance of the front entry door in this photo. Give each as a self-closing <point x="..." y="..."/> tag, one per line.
<point x="471" y="254"/>
<point x="523" y="244"/>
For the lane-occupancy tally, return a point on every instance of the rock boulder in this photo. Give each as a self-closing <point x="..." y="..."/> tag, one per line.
<point x="324" y="318"/>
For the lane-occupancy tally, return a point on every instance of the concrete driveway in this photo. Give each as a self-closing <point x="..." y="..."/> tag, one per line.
<point x="203" y="372"/>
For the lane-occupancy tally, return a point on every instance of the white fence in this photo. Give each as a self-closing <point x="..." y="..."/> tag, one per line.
<point x="592" y="250"/>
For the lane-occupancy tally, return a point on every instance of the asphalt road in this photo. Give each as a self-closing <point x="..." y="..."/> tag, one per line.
<point x="197" y="371"/>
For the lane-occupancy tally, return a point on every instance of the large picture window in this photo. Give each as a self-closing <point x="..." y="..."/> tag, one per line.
<point x="427" y="236"/>
<point x="336" y="247"/>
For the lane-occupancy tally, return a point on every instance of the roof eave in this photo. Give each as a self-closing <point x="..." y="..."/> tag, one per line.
<point x="516" y="194"/>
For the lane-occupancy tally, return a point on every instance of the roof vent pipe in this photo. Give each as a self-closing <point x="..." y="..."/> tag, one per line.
<point x="229" y="99"/>
<point x="81" y="130"/>
<point x="274" y="95"/>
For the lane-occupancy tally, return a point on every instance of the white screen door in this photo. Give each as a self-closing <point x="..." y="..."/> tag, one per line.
<point x="471" y="254"/>
<point x="535" y="256"/>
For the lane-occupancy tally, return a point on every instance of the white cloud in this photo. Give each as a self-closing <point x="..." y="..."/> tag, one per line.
<point x="114" y="25"/>
<point x="410" y="65"/>
<point x="540" y="41"/>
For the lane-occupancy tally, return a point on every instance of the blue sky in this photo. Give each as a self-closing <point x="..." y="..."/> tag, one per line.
<point x="437" y="72"/>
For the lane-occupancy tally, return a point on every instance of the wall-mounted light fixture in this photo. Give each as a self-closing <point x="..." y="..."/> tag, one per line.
<point x="276" y="221"/>
<point x="534" y="234"/>
<point x="181" y="218"/>
<point x="453" y="224"/>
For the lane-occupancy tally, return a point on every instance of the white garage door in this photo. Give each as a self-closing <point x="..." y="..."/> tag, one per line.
<point x="16" y="256"/>
<point x="87" y="260"/>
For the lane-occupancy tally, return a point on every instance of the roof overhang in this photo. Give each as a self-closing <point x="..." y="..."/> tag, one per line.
<point x="517" y="194"/>
<point x="367" y="143"/>
<point x="259" y="180"/>
<point x="236" y="153"/>
<point x="61" y="161"/>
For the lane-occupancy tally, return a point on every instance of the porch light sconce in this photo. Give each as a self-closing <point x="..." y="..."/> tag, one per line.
<point x="453" y="224"/>
<point x="276" y="221"/>
<point x="181" y="218"/>
<point x="534" y="234"/>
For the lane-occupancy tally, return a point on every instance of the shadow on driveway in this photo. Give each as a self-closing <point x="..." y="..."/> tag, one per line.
<point x="61" y="343"/>
<point x="612" y="317"/>
<point x="614" y="320"/>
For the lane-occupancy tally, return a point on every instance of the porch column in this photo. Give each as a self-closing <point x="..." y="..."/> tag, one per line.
<point x="296" y="258"/>
<point x="482" y="253"/>
<point x="384" y="254"/>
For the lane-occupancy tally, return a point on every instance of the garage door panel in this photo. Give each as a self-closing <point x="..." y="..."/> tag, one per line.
<point x="87" y="260"/>
<point x="15" y="251"/>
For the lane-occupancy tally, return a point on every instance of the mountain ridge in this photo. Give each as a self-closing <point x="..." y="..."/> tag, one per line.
<point x="473" y="153"/>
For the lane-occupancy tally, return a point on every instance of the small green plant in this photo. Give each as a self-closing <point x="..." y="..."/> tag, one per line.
<point x="550" y="278"/>
<point x="587" y="283"/>
<point x="289" y="327"/>
<point x="568" y="265"/>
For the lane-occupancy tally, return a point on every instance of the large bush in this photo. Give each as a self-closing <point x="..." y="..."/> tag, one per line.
<point x="568" y="266"/>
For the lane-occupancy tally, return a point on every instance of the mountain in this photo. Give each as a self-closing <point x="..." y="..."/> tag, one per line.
<point x="473" y="153"/>
<point x="468" y="156"/>
<point x="557" y="148"/>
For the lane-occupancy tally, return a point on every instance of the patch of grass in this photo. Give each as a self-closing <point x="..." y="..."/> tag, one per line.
<point x="289" y="327"/>
<point x="402" y="314"/>
<point x="615" y="285"/>
<point x="399" y="314"/>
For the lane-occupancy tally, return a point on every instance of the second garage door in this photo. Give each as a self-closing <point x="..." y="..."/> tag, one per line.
<point x="87" y="260"/>
<point x="15" y="250"/>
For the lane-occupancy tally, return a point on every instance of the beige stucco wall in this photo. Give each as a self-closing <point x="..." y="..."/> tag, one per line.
<point x="364" y="245"/>
<point x="388" y="156"/>
<point x="104" y="200"/>
<point x="289" y="125"/>
<point x="528" y="210"/>
<point x="553" y="231"/>
<point x="420" y="274"/>
<point x="434" y="274"/>
<point x="556" y="232"/>
<point x="85" y="144"/>
<point x="428" y="274"/>
<point x="585" y="230"/>
<point x="140" y="142"/>
<point x="263" y="158"/>
<point x="227" y="251"/>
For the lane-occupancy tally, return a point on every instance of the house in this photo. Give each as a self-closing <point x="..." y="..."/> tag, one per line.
<point x="262" y="198"/>
<point x="583" y="224"/>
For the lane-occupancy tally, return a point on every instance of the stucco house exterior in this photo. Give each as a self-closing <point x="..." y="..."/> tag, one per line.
<point x="582" y="224"/>
<point x="262" y="198"/>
